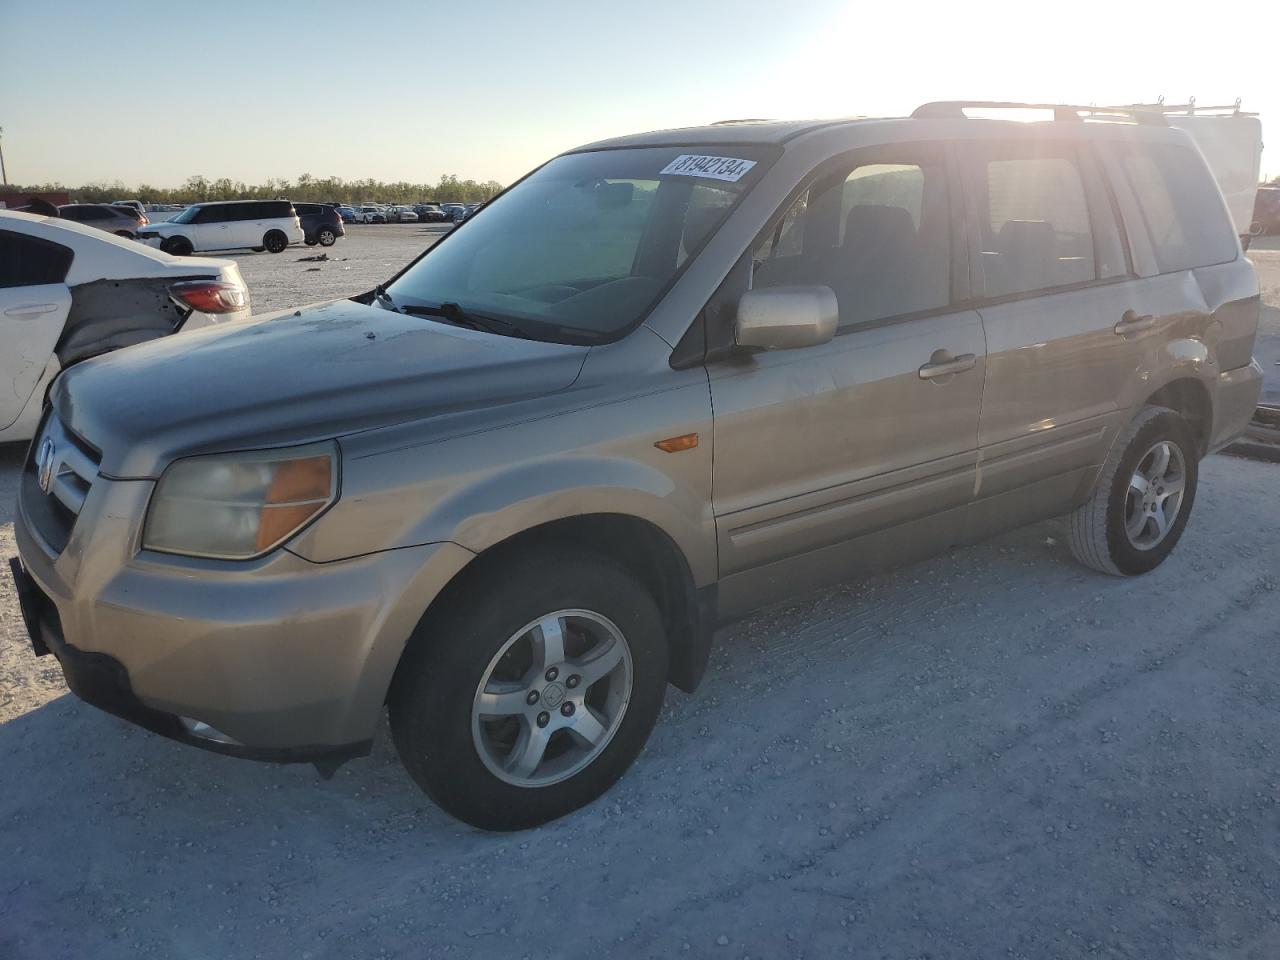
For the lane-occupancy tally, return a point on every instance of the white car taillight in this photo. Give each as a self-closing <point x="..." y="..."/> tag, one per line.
<point x="211" y="296"/>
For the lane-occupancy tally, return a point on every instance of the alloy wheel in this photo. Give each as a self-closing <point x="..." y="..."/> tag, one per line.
<point x="1155" y="495"/>
<point x="552" y="698"/>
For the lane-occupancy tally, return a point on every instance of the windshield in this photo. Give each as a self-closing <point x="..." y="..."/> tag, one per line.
<point x="581" y="250"/>
<point x="185" y="216"/>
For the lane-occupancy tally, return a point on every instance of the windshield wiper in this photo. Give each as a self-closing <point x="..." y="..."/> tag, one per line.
<point x="454" y="314"/>
<point x="380" y="293"/>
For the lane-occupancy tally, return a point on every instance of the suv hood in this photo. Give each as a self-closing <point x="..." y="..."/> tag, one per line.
<point x="310" y="374"/>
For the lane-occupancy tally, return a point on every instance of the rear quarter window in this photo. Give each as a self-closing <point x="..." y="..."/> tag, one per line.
<point x="1180" y="205"/>
<point x="30" y="261"/>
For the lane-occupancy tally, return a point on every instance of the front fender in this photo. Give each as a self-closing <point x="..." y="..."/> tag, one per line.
<point x="406" y="487"/>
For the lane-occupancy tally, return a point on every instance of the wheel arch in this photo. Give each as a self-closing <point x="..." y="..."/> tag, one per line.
<point x="638" y="546"/>
<point x="1188" y="397"/>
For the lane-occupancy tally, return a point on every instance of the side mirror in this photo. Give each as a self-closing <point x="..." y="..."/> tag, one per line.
<point x="782" y="318"/>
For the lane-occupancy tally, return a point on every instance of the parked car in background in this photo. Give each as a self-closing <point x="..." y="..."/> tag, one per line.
<point x="456" y="212"/>
<point x="1266" y="210"/>
<point x="69" y="292"/>
<point x="430" y="213"/>
<point x="123" y="221"/>
<point x="402" y="214"/>
<point x="348" y="214"/>
<point x="136" y="204"/>
<point x="321" y="223"/>
<point x="371" y="213"/>
<point x="227" y="225"/>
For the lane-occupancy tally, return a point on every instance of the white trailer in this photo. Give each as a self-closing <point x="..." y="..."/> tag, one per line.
<point x="1231" y="141"/>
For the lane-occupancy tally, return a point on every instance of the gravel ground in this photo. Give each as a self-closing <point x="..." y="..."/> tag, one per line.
<point x="369" y="254"/>
<point x="993" y="753"/>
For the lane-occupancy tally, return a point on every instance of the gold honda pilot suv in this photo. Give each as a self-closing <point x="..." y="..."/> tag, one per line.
<point x="510" y="493"/>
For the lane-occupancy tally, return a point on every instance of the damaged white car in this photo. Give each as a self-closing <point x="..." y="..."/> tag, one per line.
<point x="68" y="292"/>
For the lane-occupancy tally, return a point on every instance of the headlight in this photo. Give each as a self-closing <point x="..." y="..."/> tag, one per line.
<point x="240" y="505"/>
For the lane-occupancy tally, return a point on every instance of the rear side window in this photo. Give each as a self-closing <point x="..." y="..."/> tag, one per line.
<point x="1180" y="206"/>
<point x="1043" y="216"/>
<point x="271" y="209"/>
<point x="30" y="261"/>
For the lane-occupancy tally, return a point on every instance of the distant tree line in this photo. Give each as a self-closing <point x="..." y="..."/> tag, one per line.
<point x="306" y="187"/>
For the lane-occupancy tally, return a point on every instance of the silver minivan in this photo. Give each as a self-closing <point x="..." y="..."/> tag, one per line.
<point x="663" y="380"/>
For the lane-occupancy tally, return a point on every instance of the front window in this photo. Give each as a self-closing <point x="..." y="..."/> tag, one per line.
<point x="582" y="249"/>
<point x="186" y="216"/>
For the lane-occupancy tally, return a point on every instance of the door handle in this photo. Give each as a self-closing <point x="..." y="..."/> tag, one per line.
<point x="31" y="310"/>
<point x="942" y="364"/>
<point x="1133" y="322"/>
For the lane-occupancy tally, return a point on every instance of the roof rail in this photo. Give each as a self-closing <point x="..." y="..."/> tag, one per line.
<point x="954" y="110"/>
<point x="721" y="123"/>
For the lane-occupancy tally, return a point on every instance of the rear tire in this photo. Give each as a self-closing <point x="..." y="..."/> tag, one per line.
<point x="310" y="243"/>
<point x="491" y="638"/>
<point x="275" y="242"/>
<point x="326" y="237"/>
<point x="1143" y="497"/>
<point x="176" y="246"/>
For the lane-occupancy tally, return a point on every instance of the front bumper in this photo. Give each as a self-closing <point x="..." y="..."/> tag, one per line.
<point x="101" y="680"/>
<point x="279" y="658"/>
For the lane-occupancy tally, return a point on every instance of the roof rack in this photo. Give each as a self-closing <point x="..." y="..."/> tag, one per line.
<point x="721" y="123"/>
<point x="1190" y="108"/>
<point x="954" y="110"/>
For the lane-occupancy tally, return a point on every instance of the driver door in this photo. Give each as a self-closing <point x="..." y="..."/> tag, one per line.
<point x="860" y="452"/>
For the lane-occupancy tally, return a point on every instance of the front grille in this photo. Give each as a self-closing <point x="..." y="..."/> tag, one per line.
<point x="70" y="466"/>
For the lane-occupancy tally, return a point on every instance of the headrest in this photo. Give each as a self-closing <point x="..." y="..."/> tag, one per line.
<point x="873" y="224"/>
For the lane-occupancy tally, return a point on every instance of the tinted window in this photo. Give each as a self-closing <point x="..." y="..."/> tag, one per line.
<point x="307" y="208"/>
<point x="1034" y="218"/>
<point x="29" y="261"/>
<point x="1180" y="205"/>
<point x="878" y="235"/>
<point x="72" y="213"/>
<point x="214" y="213"/>
<point x="271" y="209"/>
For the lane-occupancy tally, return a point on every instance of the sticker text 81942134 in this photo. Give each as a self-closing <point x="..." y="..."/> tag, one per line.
<point x="713" y="168"/>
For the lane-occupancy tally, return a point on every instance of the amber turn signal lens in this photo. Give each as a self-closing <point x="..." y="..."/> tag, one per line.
<point x="299" y="490"/>
<point x="308" y="479"/>
<point x="675" y="444"/>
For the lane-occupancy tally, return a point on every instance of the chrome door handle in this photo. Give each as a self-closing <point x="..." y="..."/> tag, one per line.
<point x="944" y="368"/>
<point x="1133" y="322"/>
<point x="31" y="310"/>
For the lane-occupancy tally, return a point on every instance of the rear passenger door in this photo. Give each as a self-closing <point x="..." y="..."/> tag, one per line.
<point x="1052" y="283"/>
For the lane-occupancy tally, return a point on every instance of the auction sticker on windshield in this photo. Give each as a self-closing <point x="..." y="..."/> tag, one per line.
<point x="714" y="168"/>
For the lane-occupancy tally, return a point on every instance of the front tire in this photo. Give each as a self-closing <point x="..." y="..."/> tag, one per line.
<point x="1143" y="497"/>
<point x="532" y="692"/>
<point x="275" y="242"/>
<point x="176" y="246"/>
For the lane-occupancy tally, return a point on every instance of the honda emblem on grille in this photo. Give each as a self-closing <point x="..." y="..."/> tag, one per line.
<point x="46" y="457"/>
